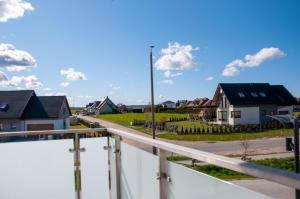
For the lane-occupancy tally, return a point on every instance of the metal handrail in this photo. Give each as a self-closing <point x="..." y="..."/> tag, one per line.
<point x="276" y="175"/>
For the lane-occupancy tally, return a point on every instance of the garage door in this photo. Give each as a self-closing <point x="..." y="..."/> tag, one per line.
<point x="39" y="127"/>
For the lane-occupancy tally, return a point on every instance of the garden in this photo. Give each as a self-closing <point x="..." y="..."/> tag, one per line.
<point x="190" y="127"/>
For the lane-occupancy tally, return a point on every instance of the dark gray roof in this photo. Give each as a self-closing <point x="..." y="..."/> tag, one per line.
<point x="257" y="93"/>
<point x="16" y="102"/>
<point x="45" y="107"/>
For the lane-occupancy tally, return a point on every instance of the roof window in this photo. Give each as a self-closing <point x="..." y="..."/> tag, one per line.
<point x="241" y="94"/>
<point x="254" y="94"/>
<point x="263" y="94"/>
<point x="3" y="106"/>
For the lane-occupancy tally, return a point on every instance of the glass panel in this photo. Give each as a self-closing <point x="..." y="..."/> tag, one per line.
<point x="138" y="173"/>
<point x="35" y="170"/>
<point x="94" y="168"/>
<point x="190" y="184"/>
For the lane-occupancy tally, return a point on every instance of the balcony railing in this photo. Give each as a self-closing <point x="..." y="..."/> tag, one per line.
<point x="117" y="166"/>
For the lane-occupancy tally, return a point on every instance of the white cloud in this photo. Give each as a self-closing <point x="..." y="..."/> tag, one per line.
<point x="169" y="74"/>
<point x="11" y="9"/>
<point x="13" y="59"/>
<point x="114" y="87"/>
<point x="16" y="68"/>
<point x="64" y="84"/>
<point x="72" y="75"/>
<point x="168" y="81"/>
<point x="176" y="57"/>
<point x="85" y="96"/>
<point x="230" y="71"/>
<point x="47" y="89"/>
<point x="209" y="78"/>
<point x="161" y="96"/>
<point x="30" y="82"/>
<point x="55" y="94"/>
<point x="3" y="77"/>
<point x="250" y="61"/>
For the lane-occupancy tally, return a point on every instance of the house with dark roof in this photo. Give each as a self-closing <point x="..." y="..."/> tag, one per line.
<point x="22" y="110"/>
<point x="106" y="106"/>
<point x="251" y="103"/>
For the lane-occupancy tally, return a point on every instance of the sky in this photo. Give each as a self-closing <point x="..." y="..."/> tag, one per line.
<point x="88" y="49"/>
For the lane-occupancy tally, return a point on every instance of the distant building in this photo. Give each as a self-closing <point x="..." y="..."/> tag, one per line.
<point x="168" y="104"/>
<point x="197" y="103"/>
<point x="181" y="103"/>
<point x="251" y="103"/>
<point x="22" y="110"/>
<point x="106" y="106"/>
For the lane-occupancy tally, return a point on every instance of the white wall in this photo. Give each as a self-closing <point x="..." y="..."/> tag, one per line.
<point x="58" y="123"/>
<point x="286" y="108"/>
<point x="249" y="115"/>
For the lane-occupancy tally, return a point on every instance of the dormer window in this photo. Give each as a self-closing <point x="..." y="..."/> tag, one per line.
<point x="241" y="94"/>
<point x="263" y="94"/>
<point x="254" y="94"/>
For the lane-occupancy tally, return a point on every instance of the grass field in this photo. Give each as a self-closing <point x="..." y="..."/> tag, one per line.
<point x="229" y="136"/>
<point x="78" y="126"/>
<point x="286" y="164"/>
<point x="125" y="119"/>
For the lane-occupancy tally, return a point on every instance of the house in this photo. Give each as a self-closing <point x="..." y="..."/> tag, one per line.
<point x="106" y="106"/>
<point x="168" y="104"/>
<point x="251" y="103"/>
<point x="93" y="107"/>
<point x="22" y="110"/>
<point x="197" y="103"/>
<point x="181" y="103"/>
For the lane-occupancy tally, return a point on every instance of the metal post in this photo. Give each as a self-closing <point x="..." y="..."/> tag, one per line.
<point x="77" y="166"/>
<point x="296" y="152"/>
<point x="163" y="174"/>
<point x="118" y="166"/>
<point x="152" y="99"/>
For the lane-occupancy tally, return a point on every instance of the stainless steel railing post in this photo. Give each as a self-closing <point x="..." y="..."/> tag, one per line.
<point x="118" y="165"/>
<point x="163" y="178"/>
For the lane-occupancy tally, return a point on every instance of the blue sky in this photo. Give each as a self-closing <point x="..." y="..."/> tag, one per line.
<point x="88" y="49"/>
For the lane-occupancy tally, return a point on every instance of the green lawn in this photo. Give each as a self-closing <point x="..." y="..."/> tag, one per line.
<point x="125" y="119"/>
<point x="78" y="126"/>
<point x="229" y="136"/>
<point x="226" y="174"/>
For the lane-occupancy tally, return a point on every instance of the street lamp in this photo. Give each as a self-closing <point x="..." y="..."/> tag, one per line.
<point x="152" y="98"/>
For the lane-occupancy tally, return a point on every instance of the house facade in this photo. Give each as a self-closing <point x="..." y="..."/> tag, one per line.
<point x="24" y="111"/>
<point x="106" y="106"/>
<point x="168" y="104"/>
<point x="251" y="103"/>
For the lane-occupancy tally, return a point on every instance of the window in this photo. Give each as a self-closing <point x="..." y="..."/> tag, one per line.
<point x="13" y="125"/>
<point x="65" y="124"/>
<point x="65" y="111"/>
<point x="254" y="94"/>
<point x="283" y="112"/>
<point x="1" y="127"/>
<point x="262" y="94"/>
<point x="235" y="114"/>
<point x="241" y="94"/>
<point x="222" y="115"/>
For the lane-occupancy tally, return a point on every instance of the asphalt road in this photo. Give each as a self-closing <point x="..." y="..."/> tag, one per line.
<point x="259" y="146"/>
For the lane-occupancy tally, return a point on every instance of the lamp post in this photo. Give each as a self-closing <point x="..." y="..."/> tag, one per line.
<point x="152" y="98"/>
<point x="296" y="151"/>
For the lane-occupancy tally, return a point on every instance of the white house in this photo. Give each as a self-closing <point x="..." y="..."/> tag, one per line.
<point x="251" y="103"/>
<point x="106" y="106"/>
<point x="168" y="104"/>
<point x="22" y="110"/>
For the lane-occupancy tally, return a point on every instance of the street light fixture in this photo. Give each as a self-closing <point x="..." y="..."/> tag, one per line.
<point x="152" y="98"/>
